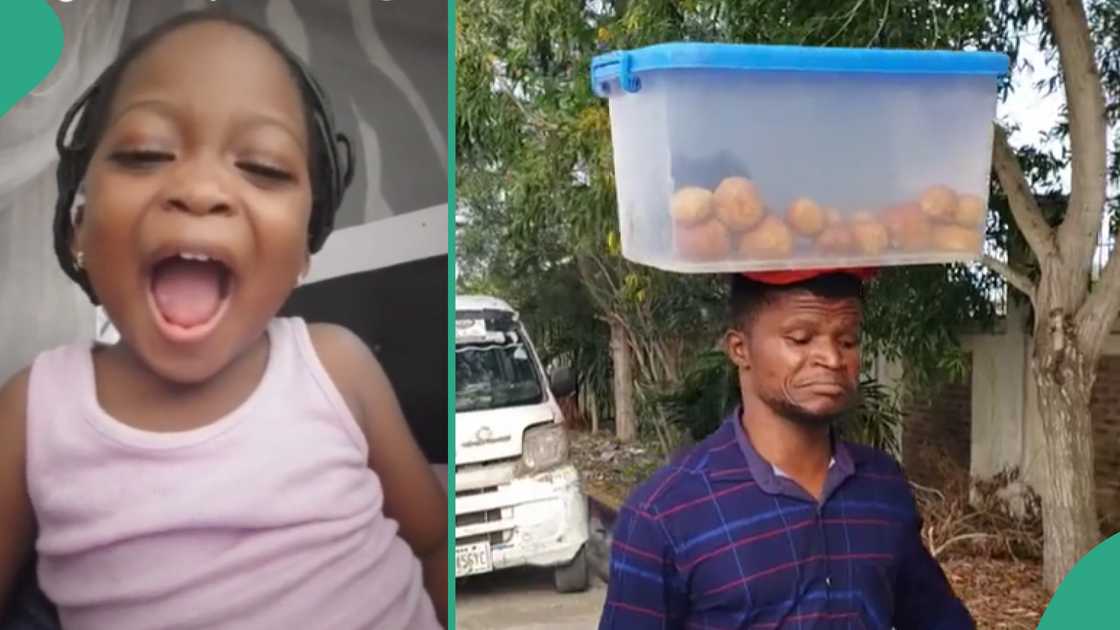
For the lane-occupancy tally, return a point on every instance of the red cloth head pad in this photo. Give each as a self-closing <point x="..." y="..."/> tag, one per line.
<point x="794" y="276"/>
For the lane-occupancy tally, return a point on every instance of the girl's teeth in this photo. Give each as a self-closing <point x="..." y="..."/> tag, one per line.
<point x="198" y="257"/>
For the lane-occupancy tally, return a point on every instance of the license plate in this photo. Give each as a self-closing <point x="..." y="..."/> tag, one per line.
<point x="473" y="558"/>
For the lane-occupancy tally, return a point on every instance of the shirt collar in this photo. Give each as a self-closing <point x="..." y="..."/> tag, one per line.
<point x="772" y="480"/>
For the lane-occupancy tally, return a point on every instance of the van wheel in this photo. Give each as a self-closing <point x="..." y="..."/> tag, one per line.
<point x="574" y="576"/>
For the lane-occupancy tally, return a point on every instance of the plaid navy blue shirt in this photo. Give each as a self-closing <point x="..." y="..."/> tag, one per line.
<point x="718" y="539"/>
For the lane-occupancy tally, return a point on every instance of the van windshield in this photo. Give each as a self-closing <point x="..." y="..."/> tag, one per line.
<point x="494" y="374"/>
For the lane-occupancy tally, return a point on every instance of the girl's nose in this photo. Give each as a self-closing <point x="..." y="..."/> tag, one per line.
<point x="198" y="187"/>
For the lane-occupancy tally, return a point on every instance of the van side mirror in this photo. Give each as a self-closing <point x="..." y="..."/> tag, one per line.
<point x="562" y="382"/>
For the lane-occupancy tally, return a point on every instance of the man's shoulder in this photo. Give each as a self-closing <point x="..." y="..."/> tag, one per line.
<point x="684" y="477"/>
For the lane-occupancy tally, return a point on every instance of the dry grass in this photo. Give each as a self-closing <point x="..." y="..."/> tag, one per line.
<point x="967" y="518"/>
<point x="991" y="557"/>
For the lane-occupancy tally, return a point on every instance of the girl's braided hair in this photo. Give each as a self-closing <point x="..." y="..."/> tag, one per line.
<point x="330" y="159"/>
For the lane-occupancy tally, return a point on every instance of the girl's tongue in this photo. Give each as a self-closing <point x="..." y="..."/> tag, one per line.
<point x="188" y="292"/>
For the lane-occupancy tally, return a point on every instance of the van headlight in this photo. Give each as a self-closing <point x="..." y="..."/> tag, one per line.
<point x="544" y="447"/>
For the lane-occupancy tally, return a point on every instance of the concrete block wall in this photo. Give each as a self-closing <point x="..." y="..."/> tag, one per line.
<point x="936" y="427"/>
<point x="1106" y="435"/>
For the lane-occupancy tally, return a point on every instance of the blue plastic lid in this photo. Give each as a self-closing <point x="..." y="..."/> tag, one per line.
<point x="623" y="65"/>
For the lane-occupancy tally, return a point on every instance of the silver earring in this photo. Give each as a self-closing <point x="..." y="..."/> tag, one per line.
<point x="79" y="260"/>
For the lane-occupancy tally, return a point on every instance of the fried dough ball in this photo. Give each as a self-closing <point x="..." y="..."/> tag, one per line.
<point x="836" y="239"/>
<point x="738" y="203"/>
<point x="691" y="205"/>
<point x="709" y="240"/>
<point x="806" y="217"/>
<point x="771" y="239"/>
<point x="970" y="211"/>
<point x="870" y="235"/>
<point x="954" y="238"/>
<point x="939" y="203"/>
<point x="908" y="226"/>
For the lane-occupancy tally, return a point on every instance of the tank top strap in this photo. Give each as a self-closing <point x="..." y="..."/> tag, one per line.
<point x="309" y="371"/>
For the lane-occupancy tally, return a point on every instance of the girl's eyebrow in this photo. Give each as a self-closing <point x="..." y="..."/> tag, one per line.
<point x="261" y="119"/>
<point x="160" y="107"/>
<point x="166" y="109"/>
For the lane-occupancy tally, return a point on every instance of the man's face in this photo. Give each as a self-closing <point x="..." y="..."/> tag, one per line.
<point x="800" y="355"/>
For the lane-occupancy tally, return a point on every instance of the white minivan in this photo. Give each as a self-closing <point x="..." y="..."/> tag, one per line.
<point x="518" y="499"/>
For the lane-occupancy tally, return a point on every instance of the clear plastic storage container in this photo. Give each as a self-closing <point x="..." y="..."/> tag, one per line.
<point x="747" y="158"/>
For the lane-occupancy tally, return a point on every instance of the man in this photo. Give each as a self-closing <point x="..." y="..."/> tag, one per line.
<point x="773" y="522"/>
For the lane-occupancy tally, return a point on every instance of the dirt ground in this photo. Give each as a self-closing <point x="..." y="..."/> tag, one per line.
<point x="1001" y="594"/>
<point x="524" y="599"/>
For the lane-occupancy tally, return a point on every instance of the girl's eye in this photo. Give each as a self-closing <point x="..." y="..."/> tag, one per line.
<point x="268" y="172"/>
<point x="141" y="158"/>
<point x="799" y="339"/>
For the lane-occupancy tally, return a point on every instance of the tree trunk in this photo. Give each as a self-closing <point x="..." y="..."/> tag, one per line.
<point x="1069" y="506"/>
<point x="625" y="423"/>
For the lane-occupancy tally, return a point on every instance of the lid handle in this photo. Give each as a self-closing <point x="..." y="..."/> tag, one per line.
<point x="628" y="81"/>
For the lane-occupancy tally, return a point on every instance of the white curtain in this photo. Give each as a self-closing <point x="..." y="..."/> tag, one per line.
<point x="41" y="307"/>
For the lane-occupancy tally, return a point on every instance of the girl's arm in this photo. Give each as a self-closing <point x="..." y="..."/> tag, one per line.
<point x="17" y="523"/>
<point x="413" y="494"/>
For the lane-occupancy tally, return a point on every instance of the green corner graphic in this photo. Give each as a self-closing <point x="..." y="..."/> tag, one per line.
<point x="1085" y="597"/>
<point x="30" y="45"/>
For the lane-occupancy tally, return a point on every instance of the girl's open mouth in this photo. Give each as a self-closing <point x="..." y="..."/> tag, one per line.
<point x="189" y="293"/>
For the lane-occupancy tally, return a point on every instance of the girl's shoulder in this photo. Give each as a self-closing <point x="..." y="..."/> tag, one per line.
<point x="13" y="417"/>
<point x="15" y="389"/>
<point x="343" y="352"/>
<point x="13" y="400"/>
<point x="357" y="374"/>
<point x="65" y="362"/>
<point x="350" y="365"/>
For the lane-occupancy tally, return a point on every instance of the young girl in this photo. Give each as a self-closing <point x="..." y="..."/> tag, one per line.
<point x="219" y="467"/>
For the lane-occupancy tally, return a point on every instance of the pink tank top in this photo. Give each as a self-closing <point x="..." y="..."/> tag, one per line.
<point x="268" y="518"/>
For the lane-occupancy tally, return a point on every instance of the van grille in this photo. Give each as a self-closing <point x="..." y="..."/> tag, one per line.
<point x="474" y="491"/>
<point x="494" y="538"/>
<point x="484" y="465"/>
<point x="475" y="518"/>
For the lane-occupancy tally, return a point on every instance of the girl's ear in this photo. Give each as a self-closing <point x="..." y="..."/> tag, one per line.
<point x="737" y="346"/>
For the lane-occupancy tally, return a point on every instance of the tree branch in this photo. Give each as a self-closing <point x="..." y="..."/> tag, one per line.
<point x="956" y="539"/>
<point x="1024" y="206"/>
<point x="1097" y="314"/>
<point x="1077" y="236"/>
<point x="1015" y="278"/>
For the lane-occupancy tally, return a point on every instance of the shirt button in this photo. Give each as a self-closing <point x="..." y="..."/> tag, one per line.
<point x="828" y="581"/>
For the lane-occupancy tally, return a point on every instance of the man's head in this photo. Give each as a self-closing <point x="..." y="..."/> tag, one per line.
<point x="797" y="346"/>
